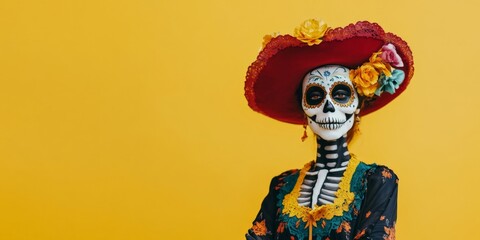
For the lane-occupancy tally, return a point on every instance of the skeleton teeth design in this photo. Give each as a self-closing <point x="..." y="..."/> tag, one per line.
<point x="330" y="123"/>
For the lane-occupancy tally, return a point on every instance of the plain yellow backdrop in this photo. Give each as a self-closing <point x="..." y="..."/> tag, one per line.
<point x="126" y="119"/>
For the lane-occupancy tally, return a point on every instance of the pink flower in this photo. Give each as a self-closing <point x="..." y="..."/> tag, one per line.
<point x="389" y="54"/>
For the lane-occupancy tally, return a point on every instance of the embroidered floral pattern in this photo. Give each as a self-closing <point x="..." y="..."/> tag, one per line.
<point x="360" y="234"/>
<point x="389" y="233"/>
<point x="310" y="216"/>
<point x="259" y="228"/>
<point x="386" y="173"/>
<point x="281" y="227"/>
<point x="351" y="224"/>
<point x="345" y="226"/>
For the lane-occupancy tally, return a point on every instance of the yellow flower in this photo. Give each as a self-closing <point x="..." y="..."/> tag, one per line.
<point x="259" y="228"/>
<point x="365" y="79"/>
<point x="267" y="38"/>
<point x="311" y="31"/>
<point x="379" y="64"/>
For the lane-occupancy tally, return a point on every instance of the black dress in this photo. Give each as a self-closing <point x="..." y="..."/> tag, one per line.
<point x="365" y="207"/>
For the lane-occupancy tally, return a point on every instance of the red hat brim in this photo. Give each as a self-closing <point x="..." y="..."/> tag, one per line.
<point x="273" y="81"/>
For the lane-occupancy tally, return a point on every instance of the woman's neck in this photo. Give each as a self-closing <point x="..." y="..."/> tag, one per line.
<point x="332" y="154"/>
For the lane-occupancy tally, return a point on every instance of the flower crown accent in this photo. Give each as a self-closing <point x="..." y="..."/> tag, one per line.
<point x="311" y="31"/>
<point x="377" y="75"/>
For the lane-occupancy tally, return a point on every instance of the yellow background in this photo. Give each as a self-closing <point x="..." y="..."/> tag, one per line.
<point x="126" y="119"/>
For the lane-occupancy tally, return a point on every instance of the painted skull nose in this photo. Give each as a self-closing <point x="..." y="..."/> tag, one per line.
<point x="328" y="107"/>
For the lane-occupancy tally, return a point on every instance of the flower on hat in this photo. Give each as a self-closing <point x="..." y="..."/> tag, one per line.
<point x="365" y="79"/>
<point x="311" y="31"/>
<point x="267" y="38"/>
<point x="390" y="55"/>
<point x="390" y="84"/>
<point x="379" y="64"/>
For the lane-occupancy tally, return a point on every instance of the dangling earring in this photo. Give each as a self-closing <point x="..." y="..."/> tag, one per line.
<point x="305" y="136"/>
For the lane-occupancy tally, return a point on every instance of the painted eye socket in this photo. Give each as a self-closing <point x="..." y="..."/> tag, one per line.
<point x="341" y="93"/>
<point x="314" y="95"/>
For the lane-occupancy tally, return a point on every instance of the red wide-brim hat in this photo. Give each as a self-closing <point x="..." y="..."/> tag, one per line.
<point x="273" y="81"/>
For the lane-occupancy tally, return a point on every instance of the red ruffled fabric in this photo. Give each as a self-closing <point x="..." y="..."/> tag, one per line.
<point x="273" y="81"/>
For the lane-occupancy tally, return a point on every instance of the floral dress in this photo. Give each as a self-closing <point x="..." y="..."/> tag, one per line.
<point x="365" y="207"/>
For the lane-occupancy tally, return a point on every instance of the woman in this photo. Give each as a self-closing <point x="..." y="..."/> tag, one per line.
<point x="328" y="78"/>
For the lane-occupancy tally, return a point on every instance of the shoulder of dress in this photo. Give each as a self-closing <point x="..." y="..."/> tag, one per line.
<point x="383" y="174"/>
<point x="288" y="173"/>
<point x="280" y="179"/>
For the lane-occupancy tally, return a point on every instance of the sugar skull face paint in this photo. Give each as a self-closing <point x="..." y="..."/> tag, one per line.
<point x="329" y="101"/>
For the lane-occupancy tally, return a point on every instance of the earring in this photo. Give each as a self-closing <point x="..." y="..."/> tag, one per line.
<point x="305" y="136"/>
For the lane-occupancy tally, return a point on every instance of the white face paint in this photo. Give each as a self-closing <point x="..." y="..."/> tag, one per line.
<point x="329" y="101"/>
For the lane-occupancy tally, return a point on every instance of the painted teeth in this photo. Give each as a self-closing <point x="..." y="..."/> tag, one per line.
<point x="331" y="121"/>
<point x="330" y="126"/>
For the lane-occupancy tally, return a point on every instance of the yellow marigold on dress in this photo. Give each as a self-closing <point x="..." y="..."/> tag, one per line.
<point x="259" y="228"/>
<point x="365" y="79"/>
<point x="311" y="31"/>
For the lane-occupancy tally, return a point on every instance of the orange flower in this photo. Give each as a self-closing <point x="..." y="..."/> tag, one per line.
<point x="259" y="228"/>
<point x="365" y="79"/>
<point x="390" y="233"/>
<point x="281" y="227"/>
<point x="386" y="173"/>
<point x="344" y="226"/>
<point x="360" y="234"/>
<point x="311" y="31"/>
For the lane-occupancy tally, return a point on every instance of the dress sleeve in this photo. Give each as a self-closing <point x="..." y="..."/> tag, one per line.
<point x="264" y="224"/>
<point x="378" y="212"/>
